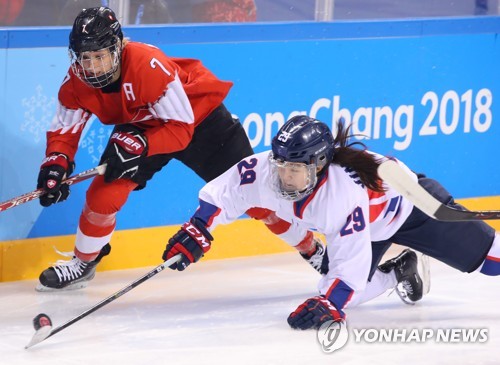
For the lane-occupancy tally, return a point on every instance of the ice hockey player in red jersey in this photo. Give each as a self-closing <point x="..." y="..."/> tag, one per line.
<point x="326" y="184"/>
<point x="162" y="108"/>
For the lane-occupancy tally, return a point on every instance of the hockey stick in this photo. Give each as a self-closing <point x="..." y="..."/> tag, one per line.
<point x="43" y="324"/>
<point x="399" y="179"/>
<point x="14" y="202"/>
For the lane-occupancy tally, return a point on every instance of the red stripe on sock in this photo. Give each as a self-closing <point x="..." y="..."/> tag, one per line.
<point x="87" y="257"/>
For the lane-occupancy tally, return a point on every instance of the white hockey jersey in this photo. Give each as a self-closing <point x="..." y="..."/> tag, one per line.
<point x="341" y="207"/>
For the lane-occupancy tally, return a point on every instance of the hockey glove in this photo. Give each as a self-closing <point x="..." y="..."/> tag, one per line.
<point x="125" y="151"/>
<point x="313" y="313"/>
<point x="192" y="241"/>
<point x="54" y="169"/>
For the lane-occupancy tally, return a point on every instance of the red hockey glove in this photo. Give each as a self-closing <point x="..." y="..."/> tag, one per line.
<point x="54" y="169"/>
<point x="192" y="241"/>
<point x="125" y="151"/>
<point x="313" y="313"/>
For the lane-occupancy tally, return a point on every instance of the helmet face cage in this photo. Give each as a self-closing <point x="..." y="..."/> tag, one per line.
<point x="96" y="68"/>
<point x="292" y="181"/>
<point x="95" y="46"/>
<point x="302" y="140"/>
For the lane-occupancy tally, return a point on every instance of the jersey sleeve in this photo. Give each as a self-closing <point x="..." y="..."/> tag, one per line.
<point x="228" y="196"/>
<point x="67" y="125"/>
<point x="349" y="253"/>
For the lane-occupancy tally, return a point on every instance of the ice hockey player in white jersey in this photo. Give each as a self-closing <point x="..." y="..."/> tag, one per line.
<point x="321" y="183"/>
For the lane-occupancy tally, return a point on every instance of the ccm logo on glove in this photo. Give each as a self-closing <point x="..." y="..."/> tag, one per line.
<point x="191" y="241"/>
<point x="197" y="235"/>
<point x="128" y="142"/>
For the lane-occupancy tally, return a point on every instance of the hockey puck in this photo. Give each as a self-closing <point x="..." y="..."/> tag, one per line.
<point x="41" y="320"/>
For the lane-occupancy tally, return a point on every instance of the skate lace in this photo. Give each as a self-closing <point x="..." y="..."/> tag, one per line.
<point x="69" y="270"/>
<point x="403" y="291"/>
<point x="407" y="286"/>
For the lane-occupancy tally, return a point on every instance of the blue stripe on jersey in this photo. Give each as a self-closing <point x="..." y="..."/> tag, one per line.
<point x="300" y="206"/>
<point x="206" y="212"/>
<point x="339" y="294"/>
<point x="394" y="205"/>
<point x="491" y="266"/>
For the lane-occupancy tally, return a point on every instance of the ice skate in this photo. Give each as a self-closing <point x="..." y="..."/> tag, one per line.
<point x="319" y="259"/>
<point x="71" y="274"/>
<point x="412" y="284"/>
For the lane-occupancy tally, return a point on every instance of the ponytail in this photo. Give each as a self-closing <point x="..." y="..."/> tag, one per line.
<point x="359" y="159"/>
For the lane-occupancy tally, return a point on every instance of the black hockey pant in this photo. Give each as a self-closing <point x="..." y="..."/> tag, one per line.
<point x="461" y="245"/>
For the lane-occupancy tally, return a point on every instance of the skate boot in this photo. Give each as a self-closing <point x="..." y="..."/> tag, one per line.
<point x="318" y="259"/>
<point x="70" y="275"/>
<point x="411" y="287"/>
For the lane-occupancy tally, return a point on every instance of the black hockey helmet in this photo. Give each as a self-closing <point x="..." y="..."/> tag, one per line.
<point x="94" y="29"/>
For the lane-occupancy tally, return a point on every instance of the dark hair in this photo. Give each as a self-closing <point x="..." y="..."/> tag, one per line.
<point x="346" y="155"/>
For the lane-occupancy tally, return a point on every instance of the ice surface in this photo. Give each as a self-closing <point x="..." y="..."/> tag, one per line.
<point x="234" y="312"/>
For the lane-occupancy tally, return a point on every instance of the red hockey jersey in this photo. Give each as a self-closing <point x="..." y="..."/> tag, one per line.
<point x="167" y="96"/>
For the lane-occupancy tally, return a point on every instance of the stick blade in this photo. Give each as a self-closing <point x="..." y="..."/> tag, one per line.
<point x="39" y="336"/>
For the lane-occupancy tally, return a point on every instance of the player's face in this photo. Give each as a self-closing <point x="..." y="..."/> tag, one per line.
<point x="97" y="68"/>
<point x="294" y="176"/>
<point x="97" y="63"/>
<point x="291" y="180"/>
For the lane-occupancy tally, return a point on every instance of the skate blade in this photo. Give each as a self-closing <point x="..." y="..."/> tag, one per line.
<point x="44" y="289"/>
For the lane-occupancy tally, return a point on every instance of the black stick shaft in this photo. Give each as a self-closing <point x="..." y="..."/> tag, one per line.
<point x="401" y="181"/>
<point x="116" y="295"/>
<point x="451" y="214"/>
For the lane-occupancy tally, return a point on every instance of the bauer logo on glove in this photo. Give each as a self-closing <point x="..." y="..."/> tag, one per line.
<point x="126" y="150"/>
<point x="128" y="142"/>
